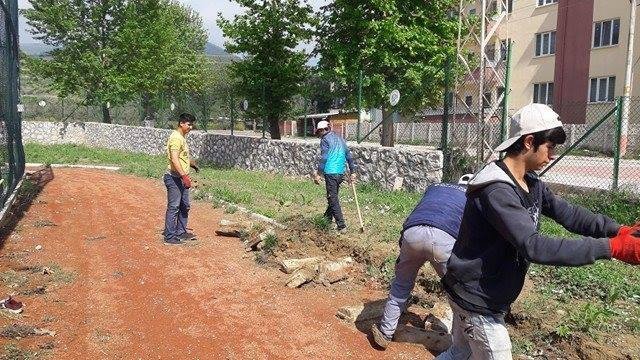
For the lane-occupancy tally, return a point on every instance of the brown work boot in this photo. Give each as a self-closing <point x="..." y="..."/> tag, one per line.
<point x="379" y="338"/>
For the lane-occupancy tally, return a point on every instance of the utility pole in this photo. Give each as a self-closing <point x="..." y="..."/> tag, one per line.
<point x="626" y="95"/>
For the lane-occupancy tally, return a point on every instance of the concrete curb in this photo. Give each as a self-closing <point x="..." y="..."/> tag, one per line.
<point x="97" y="167"/>
<point x="255" y="216"/>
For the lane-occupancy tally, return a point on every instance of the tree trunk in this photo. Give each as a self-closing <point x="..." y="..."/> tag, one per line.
<point x="387" y="138"/>
<point x="148" y="111"/>
<point x="106" y="115"/>
<point x="274" y="128"/>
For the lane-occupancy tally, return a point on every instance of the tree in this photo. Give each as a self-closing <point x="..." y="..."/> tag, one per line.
<point x="160" y="49"/>
<point x="398" y="44"/>
<point x="272" y="70"/>
<point x="113" y="51"/>
<point x="82" y="32"/>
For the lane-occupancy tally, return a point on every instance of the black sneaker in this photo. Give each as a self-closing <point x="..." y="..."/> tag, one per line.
<point x="187" y="236"/>
<point x="173" y="241"/>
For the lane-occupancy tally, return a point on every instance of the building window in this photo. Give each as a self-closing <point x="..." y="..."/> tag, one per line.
<point x="486" y="100"/>
<point x="509" y="4"/>
<point x="546" y="43"/>
<point x="543" y="93"/>
<point x="468" y="100"/>
<point x="602" y="89"/>
<point x="606" y="33"/>
<point x="546" y="2"/>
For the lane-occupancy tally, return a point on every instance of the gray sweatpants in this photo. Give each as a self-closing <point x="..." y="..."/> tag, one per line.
<point x="419" y="245"/>
<point x="477" y="337"/>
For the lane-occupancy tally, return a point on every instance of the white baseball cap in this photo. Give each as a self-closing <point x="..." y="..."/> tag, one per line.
<point x="323" y="124"/>
<point x="528" y="120"/>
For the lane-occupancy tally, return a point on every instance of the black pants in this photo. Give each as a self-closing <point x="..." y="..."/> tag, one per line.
<point x="334" y="211"/>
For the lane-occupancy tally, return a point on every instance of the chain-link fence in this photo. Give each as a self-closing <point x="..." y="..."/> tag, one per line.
<point x="11" y="153"/>
<point x="592" y="157"/>
<point x="213" y="113"/>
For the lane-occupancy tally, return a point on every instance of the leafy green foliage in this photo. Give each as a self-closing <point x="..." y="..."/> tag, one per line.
<point x="272" y="70"/>
<point x="111" y="52"/>
<point x="398" y="44"/>
<point x="83" y="33"/>
<point x="160" y="49"/>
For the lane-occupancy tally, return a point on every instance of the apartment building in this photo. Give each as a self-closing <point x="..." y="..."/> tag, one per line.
<point x="570" y="54"/>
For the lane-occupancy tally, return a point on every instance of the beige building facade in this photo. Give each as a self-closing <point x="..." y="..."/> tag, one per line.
<point x="570" y="54"/>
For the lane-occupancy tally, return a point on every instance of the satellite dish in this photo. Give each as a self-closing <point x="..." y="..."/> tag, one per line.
<point x="173" y="106"/>
<point x="245" y="104"/>
<point x="42" y="103"/>
<point x="394" y="97"/>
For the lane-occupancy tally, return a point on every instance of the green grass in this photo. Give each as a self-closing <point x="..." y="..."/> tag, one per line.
<point x="132" y="163"/>
<point x="605" y="280"/>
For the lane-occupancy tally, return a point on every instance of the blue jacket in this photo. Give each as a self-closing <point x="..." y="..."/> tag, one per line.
<point x="499" y="238"/>
<point x="334" y="155"/>
<point x="441" y="207"/>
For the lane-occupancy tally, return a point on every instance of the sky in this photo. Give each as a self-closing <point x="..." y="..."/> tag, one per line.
<point x="208" y="10"/>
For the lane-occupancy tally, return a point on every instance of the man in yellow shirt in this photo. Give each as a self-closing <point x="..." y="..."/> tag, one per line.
<point x="178" y="182"/>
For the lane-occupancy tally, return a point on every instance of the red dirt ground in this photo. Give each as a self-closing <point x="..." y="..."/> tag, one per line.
<point x="135" y="298"/>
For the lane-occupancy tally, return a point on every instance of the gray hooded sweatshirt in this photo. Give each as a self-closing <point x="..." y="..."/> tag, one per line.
<point x="499" y="238"/>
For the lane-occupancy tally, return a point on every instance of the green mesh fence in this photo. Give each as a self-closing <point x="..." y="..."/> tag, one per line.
<point x="592" y="158"/>
<point x="11" y="153"/>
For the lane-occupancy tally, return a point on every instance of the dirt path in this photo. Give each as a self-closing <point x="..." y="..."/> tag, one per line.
<point x="135" y="298"/>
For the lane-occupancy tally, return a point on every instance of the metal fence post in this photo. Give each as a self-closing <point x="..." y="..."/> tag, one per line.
<point x="505" y="99"/>
<point x="304" y="125"/>
<point x="444" y="143"/>
<point x="264" y="109"/>
<point x="359" y="106"/>
<point x="231" y="112"/>
<point x="616" y="153"/>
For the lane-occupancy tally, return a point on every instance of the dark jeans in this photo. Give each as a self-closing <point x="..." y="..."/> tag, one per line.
<point x="175" y="221"/>
<point x="334" y="211"/>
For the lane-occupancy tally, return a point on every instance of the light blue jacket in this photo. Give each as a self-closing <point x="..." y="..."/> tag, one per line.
<point x="334" y="155"/>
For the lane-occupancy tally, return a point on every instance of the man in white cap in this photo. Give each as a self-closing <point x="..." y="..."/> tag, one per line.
<point x="334" y="157"/>
<point x="499" y="238"/>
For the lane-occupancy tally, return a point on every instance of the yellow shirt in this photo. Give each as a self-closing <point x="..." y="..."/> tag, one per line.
<point x="178" y="142"/>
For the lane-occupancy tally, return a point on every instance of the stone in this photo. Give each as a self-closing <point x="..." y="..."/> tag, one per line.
<point x="362" y="312"/>
<point x="291" y="265"/>
<point x="300" y="277"/>
<point x="440" y="318"/>
<point x="437" y="341"/>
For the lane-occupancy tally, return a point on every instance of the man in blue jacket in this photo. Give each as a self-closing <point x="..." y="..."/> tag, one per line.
<point x="335" y="155"/>
<point x="428" y="234"/>
<point x="499" y="236"/>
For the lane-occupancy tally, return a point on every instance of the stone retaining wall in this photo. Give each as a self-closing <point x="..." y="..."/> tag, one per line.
<point x="416" y="166"/>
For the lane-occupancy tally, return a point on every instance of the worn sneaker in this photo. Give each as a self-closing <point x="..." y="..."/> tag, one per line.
<point x="379" y="338"/>
<point x="173" y="241"/>
<point x="187" y="236"/>
<point x="11" y="305"/>
<point x="342" y="230"/>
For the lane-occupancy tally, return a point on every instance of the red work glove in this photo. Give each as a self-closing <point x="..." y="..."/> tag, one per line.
<point x="186" y="181"/>
<point x="626" y="245"/>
